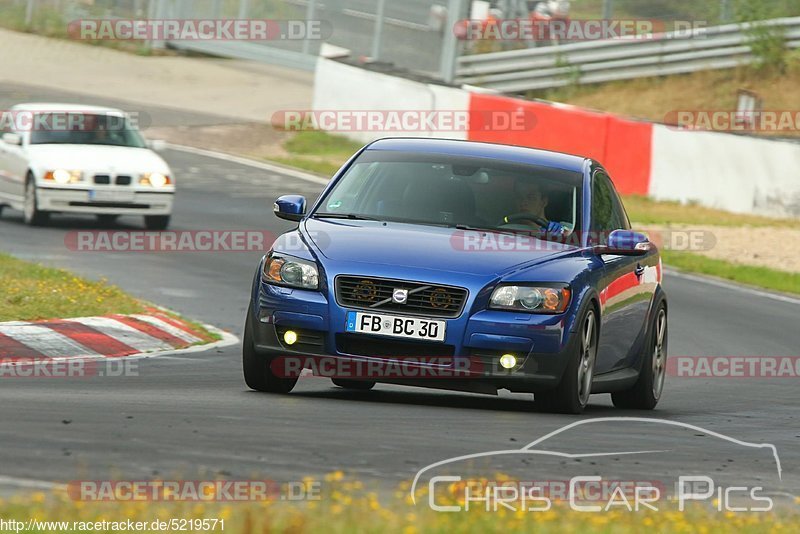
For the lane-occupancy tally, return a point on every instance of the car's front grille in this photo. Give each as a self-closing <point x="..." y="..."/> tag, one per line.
<point x="102" y="179"/>
<point x="361" y="345"/>
<point x="423" y="299"/>
<point x="123" y="180"/>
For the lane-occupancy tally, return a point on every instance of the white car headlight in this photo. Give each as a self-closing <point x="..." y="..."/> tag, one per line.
<point x="63" y="176"/>
<point x="539" y="298"/>
<point x="290" y="271"/>
<point x="155" y="179"/>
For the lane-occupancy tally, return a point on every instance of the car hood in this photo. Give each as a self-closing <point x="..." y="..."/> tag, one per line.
<point x="96" y="158"/>
<point x="426" y="247"/>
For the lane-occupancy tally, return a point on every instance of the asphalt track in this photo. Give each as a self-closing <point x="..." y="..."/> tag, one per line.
<point x="191" y="415"/>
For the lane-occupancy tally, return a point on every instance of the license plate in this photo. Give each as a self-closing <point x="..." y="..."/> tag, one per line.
<point x="396" y="326"/>
<point x="111" y="196"/>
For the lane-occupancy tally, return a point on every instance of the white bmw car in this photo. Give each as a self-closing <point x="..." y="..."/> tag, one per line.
<point x="57" y="158"/>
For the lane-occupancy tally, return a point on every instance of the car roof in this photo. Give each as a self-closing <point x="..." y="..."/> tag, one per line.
<point x="56" y="107"/>
<point x="451" y="147"/>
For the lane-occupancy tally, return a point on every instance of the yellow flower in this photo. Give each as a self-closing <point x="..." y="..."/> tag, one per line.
<point x="336" y="476"/>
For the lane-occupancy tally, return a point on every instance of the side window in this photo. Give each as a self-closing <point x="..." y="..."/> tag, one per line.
<point x="602" y="203"/>
<point x="619" y="210"/>
<point x="607" y="212"/>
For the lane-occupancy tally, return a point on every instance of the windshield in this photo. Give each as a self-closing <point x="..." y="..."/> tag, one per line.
<point x="444" y="190"/>
<point x="112" y="130"/>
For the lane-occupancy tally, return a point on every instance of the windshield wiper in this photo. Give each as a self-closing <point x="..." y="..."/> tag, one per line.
<point x="487" y="229"/>
<point x="348" y="216"/>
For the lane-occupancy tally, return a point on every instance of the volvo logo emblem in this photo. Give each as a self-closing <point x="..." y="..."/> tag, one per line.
<point x="400" y="296"/>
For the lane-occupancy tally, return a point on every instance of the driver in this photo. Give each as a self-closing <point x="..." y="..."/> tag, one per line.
<point x="532" y="200"/>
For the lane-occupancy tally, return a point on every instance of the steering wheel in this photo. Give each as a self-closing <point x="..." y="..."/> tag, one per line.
<point x="522" y="217"/>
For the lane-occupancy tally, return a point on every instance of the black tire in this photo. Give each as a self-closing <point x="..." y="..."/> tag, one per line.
<point x="257" y="372"/>
<point x="156" y="222"/>
<point x="571" y="396"/>
<point x="646" y="393"/>
<point x="107" y="220"/>
<point x="32" y="215"/>
<point x="357" y="385"/>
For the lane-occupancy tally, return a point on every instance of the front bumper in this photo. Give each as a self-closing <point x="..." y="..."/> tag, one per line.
<point x="472" y="348"/>
<point x="80" y="201"/>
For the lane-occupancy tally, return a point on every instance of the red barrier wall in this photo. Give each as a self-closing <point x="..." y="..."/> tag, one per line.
<point x="622" y="146"/>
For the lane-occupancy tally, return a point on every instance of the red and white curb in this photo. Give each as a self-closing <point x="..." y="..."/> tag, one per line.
<point x="113" y="336"/>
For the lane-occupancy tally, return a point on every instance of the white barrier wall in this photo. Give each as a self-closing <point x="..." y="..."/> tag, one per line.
<point x="339" y="87"/>
<point x="735" y="173"/>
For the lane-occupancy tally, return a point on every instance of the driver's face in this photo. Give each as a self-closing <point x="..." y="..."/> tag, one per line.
<point x="530" y="199"/>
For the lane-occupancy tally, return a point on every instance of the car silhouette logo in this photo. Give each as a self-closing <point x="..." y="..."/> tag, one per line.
<point x="400" y="296"/>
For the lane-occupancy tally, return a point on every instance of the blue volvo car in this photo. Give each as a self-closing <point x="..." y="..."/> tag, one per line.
<point x="471" y="266"/>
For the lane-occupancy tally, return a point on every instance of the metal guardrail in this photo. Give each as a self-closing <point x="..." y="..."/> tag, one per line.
<point x="718" y="47"/>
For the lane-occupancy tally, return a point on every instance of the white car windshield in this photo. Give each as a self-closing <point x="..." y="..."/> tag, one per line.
<point x="85" y="129"/>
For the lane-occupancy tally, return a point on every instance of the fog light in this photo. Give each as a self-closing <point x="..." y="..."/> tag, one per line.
<point x="508" y="361"/>
<point x="290" y="337"/>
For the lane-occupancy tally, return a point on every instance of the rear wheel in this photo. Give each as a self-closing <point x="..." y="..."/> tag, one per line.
<point x="359" y="385"/>
<point x="646" y="393"/>
<point x="156" y="222"/>
<point x="32" y="215"/>
<point x="258" y="374"/>
<point x="572" y="394"/>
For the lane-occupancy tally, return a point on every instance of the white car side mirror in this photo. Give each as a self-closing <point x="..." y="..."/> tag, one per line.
<point x="157" y="144"/>
<point x="12" y="139"/>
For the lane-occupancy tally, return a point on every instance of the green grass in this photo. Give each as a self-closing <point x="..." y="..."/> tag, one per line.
<point x="317" y="152"/>
<point x="50" y="22"/>
<point x="33" y="292"/>
<point x="762" y="277"/>
<point x="642" y="210"/>
<point x="317" y="143"/>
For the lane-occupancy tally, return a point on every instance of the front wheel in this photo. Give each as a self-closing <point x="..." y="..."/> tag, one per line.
<point x="572" y="394"/>
<point x="646" y="393"/>
<point x="258" y="374"/>
<point x="156" y="222"/>
<point x="32" y="215"/>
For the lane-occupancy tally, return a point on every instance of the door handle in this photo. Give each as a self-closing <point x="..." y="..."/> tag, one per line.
<point x="639" y="271"/>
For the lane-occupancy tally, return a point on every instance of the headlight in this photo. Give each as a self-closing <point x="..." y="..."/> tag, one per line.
<point x="62" y="176"/>
<point x="156" y="179"/>
<point x="290" y="271"/>
<point x="541" y="298"/>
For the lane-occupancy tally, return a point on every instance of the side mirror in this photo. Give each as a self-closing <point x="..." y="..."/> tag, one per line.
<point x="625" y="243"/>
<point x="12" y="139"/>
<point x="157" y="145"/>
<point x="290" y="207"/>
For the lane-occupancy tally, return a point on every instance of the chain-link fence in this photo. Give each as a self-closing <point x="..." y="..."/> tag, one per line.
<point x="402" y="33"/>
<point x="410" y="34"/>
